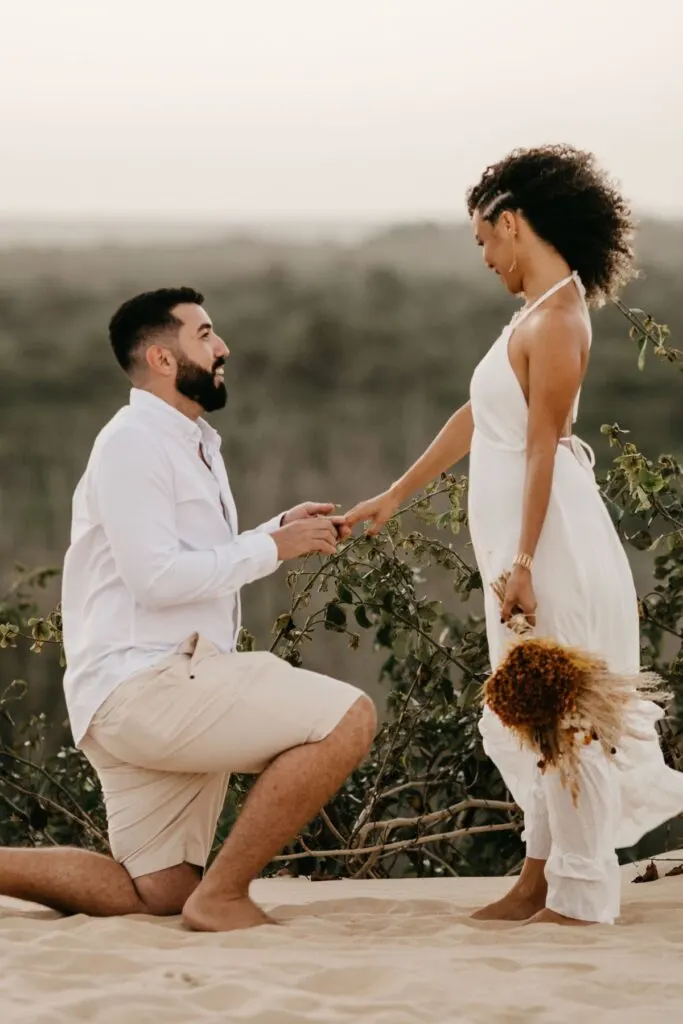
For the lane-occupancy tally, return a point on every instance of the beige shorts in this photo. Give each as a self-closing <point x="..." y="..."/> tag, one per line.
<point x="164" y="744"/>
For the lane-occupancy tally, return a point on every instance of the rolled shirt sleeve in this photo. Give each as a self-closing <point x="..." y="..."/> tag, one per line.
<point x="270" y="526"/>
<point x="267" y="528"/>
<point x="133" y="492"/>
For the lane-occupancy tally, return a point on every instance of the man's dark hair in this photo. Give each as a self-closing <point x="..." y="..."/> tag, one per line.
<point x="145" y="315"/>
<point x="570" y="203"/>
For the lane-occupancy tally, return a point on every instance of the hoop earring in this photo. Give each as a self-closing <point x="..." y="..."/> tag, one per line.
<point x="513" y="265"/>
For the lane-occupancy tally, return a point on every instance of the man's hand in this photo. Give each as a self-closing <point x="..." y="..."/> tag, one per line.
<point x="315" y="508"/>
<point x="307" y="509"/>
<point x="313" y="533"/>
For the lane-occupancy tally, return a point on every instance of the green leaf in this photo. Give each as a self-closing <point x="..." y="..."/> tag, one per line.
<point x="362" y="617"/>
<point x="642" y="353"/>
<point x="283" y="623"/>
<point x="642" y="540"/>
<point x="335" y="617"/>
<point x="245" y="641"/>
<point x="432" y="610"/>
<point x="344" y="594"/>
<point x="393" y="527"/>
<point x="675" y="540"/>
<point x="457" y="519"/>
<point x="651" y="481"/>
<point x="641" y="499"/>
<point x="402" y="644"/>
<point x="384" y="635"/>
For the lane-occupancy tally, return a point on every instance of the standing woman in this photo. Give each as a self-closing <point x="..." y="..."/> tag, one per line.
<point x="556" y="231"/>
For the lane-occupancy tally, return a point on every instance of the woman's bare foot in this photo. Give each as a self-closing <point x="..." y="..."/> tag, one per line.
<point x="515" y="906"/>
<point x="546" y="916"/>
<point x="525" y="899"/>
<point x="222" y="914"/>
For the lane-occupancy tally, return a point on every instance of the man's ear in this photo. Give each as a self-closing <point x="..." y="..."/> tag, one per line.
<point x="160" y="360"/>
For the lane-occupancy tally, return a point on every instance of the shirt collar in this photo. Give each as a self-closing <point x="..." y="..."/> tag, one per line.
<point x="174" y="422"/>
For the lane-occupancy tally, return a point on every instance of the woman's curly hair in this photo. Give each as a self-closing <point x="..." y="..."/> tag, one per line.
<point x="572" y="204"/>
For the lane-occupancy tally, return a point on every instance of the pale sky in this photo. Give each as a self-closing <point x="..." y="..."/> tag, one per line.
<point x="257" y="110"/>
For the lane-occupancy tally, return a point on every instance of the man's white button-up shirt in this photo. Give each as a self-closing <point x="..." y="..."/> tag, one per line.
<point x="155" y="552"/>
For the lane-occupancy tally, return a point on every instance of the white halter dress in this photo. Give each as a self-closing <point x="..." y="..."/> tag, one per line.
<point x="586" y="597"/>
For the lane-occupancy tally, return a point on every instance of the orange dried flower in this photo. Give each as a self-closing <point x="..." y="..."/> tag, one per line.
<point x="558" y="699"/>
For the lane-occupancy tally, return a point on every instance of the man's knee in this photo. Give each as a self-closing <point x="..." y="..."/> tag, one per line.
<point x="370" y="721"/>
<point x="165" y="892"/>
<point x="360" y="723"/>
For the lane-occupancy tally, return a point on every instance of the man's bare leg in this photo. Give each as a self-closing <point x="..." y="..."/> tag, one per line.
<point x="525" y="899"/>
<point x="76" y="881"/>
<point x="288" y="794"/>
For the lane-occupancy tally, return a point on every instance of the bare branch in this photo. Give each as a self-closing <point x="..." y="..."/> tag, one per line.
<point x="408" y="844"/>
<point x="435" y="816"/>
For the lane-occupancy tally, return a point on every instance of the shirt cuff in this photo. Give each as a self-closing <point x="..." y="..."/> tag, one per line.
<point x="272" y="524"/>
<point x="263" y="550"/>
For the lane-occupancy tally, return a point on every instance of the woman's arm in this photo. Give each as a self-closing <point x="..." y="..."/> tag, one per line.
<point x="554" y="359"/>
<point x="450" y="445"/>
<point x="553" y="347"/>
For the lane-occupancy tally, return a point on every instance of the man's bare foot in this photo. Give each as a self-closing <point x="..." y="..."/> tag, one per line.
<point x="224" y="914"/>
<point x="546" y="916"/>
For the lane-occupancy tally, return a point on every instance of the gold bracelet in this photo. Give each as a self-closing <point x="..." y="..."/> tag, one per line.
<point x="526" y="561"/>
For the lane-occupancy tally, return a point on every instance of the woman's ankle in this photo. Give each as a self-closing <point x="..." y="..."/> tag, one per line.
<point x="531" y="881"/>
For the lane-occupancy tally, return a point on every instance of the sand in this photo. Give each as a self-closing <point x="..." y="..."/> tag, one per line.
<point x="374" y="952"/>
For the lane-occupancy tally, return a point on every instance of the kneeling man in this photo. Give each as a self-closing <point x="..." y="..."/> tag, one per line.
<point x="159" y="700"/>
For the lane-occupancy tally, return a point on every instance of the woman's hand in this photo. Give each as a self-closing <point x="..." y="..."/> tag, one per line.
<point x="519" y="596"/>
<point x="376" y="511"/>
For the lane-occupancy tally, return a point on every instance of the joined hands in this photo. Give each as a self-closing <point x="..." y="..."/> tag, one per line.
<point x="309" y="528"/>
<point x="312" y="527"/>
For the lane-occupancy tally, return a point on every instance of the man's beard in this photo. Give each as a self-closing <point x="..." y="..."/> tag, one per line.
<point x="200" y="385"/>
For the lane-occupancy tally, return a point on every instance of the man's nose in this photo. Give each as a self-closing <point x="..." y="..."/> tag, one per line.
<point x="221" y="348"/>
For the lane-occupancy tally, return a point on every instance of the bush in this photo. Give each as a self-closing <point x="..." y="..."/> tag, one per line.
<point x="427" y="801"/>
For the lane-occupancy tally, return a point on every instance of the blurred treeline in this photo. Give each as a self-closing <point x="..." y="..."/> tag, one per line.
<point x="345" y="362"/>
